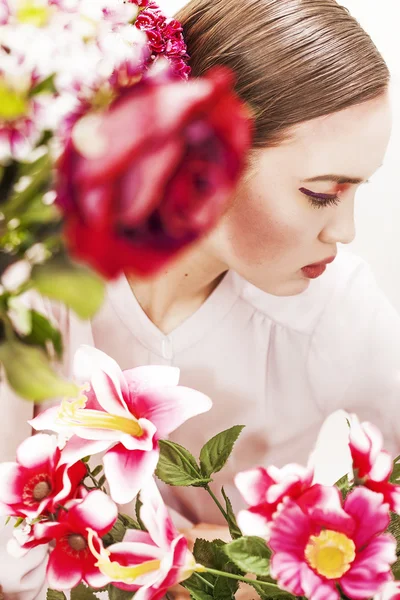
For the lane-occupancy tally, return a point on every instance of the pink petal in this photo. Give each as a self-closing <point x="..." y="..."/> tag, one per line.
<point x="48" y="420"/>
<point x="382" y="467"/>
<point x="71" y="478"/>
<point x="286" y="569"/>
<point x="127" y="471"/>
<point x="253" y="523"/>
<point x="370" y="569"/>
<point x="182" y="561"/>
<point x="135" y="535"/>
<point x="49" y="530"/>
<point x="291" y="480"/>
<point x="38" y="450"/>
<point x="365" y="442"/>
<point x="134" y="553"/>
<point x="63" y="571"/>
<point x="11" y="483"/>
<point x="253" y="485"/>
<point x="323" y="505"/>
<point x="169" y="407"/>
<point x="290" y="530"/>
<point x="145" y="442"/>
<point x="77" y="448"/>
<point x="108" y="395"/>
<point x="317" y="588"/>
<point x="94" y="577"/>
<point x="96" y="511"/>
<point x="155" y="516"/>
<point x="369" y="512"/>
<point x="140" y="379"/>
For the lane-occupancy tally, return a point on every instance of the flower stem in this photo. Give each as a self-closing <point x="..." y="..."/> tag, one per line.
<point x="270" y="586"/>
<point x="210" y="585"/>
<point x="217" y="502"/>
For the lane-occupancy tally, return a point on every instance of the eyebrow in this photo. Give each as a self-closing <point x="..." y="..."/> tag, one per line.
<point x="341" y="179"/>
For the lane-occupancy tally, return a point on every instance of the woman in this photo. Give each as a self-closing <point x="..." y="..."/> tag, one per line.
<point x="265" y="315"/>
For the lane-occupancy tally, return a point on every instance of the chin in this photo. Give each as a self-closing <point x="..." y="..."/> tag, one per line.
<point x="288" y="288"/>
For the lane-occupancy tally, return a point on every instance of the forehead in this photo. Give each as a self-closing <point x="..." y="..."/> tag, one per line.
<point x="351" y="142"/>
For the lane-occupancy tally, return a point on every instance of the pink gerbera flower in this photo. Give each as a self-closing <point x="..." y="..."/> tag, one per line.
<point x="148" y="563"/>
<point x="319" y="544"/>
<point x="123" y="414"/>
<point x="264" y="489"/>
<point x="37" y="483"/>
<point x="372" y="465"/>
<point x="71" y="561"/>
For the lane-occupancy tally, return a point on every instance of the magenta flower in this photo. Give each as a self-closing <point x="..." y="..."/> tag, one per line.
<point x="148" y="563"/>
<point x="37" y="483"/>
<point x="264" y="489"/>
<point x="372" y="465"/>
<point x="71" y="561"/>
<point x="124" y="414"/>
<point x="318" y="544"/>
<point x="391" y="591"/>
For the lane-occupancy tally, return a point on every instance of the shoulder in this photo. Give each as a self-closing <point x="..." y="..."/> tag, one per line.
<point x="346" y="280"/>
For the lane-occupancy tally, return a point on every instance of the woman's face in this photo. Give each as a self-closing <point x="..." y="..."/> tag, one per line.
<point x="289" y="212"/>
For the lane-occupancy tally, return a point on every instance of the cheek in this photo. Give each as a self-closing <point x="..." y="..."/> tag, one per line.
<point x="260" y="231"/>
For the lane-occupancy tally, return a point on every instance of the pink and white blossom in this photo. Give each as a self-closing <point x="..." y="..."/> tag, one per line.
<point x="151" y="562"/>
<point x="37" y="483"/>
<point x="319" y="543"/>
<point x="372" y="465"/>
<point x="264" y="490"/>
<point x="123" y="414"/>
<point x="391" y="591"/>
<point x="70" y="560"/>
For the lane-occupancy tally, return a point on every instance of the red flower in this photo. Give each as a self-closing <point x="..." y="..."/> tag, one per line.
<point x="372" y="465"/>
<point x="36" y="484"/>
<point x="71" y="560"/>
<point x="152" y="173"/>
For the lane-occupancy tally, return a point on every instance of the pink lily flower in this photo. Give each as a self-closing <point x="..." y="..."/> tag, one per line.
<point x="264" y="490"/>
<point x="319" y="543"/>
<point x="373" y="466"/>
<point x="123" y="414"/>
<point x="37" y="483"/>
<point x="71" y="561"/>
<point x="148" y="563"/>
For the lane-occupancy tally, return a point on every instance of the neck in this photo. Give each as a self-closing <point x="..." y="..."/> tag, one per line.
<point x="175" y="294"/>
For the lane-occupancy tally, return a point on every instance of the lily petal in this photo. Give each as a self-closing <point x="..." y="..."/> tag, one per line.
<point x="145" y="442"/>
<point x="64" y="571"/>
<point x="140" y="379"/>
<point x="155" y="516"/>
<point x="48" y="421"/>
<point x="127" y="471"/>
<point x="77" y="448"/>
<point x="96" y="511"/>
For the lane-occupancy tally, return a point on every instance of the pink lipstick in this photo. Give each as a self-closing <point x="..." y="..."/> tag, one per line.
<point x="316" y="269"/>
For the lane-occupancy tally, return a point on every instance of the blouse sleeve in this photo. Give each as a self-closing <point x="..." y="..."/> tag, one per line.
<point x="354" y="358"/>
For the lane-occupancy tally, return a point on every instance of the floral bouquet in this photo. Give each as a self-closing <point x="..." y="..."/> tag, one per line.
<point x="110" y="161"/>
<point x="296" y="539"/>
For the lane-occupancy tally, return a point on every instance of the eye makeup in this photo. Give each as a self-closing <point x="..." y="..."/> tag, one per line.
<point x="323" y="200"/>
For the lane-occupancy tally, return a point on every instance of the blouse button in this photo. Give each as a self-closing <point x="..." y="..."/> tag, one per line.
<point x="166" y="349"/>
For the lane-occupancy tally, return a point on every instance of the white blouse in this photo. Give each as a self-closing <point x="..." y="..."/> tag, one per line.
<point x="279" y="365"/>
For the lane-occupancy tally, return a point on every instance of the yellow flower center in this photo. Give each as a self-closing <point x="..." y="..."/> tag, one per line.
<point x="30" y="12"/>
<point x="13" y="104"/>
<point x="330" y="553"/>
<point x="74" y="414"/>
<point x="114" y="570"/>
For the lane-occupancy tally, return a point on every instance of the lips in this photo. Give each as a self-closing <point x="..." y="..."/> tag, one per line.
<point x="316" y="269"/>
<point x="325" y="262"/>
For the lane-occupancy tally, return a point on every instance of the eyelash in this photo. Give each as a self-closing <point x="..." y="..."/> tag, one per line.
<point x="320" y="200"/>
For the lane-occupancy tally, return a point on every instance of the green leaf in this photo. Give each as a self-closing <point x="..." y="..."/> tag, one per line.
<point x="117" y="594"/>
<point x="54" y="595"/>
<point x="19" y="521"/>
<point x="176" y="466"/>
<point x="138" y="506"/>
<point x="82" y="592"/>
<point x="46" y="85"/>
<point x="217" y="450"/>
<point x="97" y="470"/>
<point x="394" y="529"/>
<point x="344" y="486"/>
<point x="395" y="476"/>
<point x="250" y="554"/>
<point x="74" y="285"/>
<point x="102" y="481"/>
<point x="29" y="373"/>
<point x="43" y="332"/>
<point x="129" y="522"/>
<point x="39" y="173"/>
<point x="210" y="554"/>
<point x="116" y="534"/>
<point x="225" y="589"/>
<point x="234" y="529"/>
<point x="271" y="593"/>
<point x="198" y="588"/>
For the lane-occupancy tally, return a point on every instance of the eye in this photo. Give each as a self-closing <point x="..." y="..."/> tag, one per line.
<point x="321" y="200"/>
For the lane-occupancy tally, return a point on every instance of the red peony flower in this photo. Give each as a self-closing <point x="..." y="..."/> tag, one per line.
<point x="150" y="175"/>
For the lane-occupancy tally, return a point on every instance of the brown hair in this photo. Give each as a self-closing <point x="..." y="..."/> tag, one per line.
<point x="294" y="60"/>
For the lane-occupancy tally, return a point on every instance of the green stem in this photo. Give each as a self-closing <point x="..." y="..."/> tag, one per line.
<point x="218" y="503"/>
<point x="270" y="586"/>
<point x="210" y="585"/>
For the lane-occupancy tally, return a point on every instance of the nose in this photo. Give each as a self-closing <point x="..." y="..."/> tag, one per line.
<point x="341" y="227"/>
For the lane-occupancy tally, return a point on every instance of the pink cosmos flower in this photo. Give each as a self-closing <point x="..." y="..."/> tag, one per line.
<point x="148" y="563"/>
<point x="264" y="489"/>
<point x="391" y="591"/>
<point x="372" y="465"/>
<point x="37" y="483"/>
<point x="71" y="561"/>
<point x="318" y="543"/>
<point x="123" y="414"/>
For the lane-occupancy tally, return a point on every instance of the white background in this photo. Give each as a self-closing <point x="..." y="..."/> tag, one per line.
<point x="378" y="204"/>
